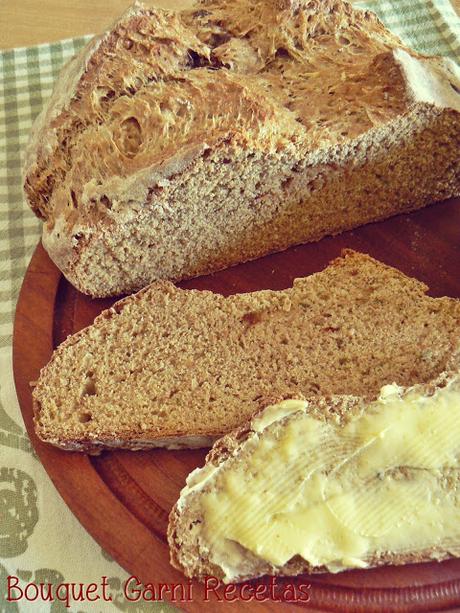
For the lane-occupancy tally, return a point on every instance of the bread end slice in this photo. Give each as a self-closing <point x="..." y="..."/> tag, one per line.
<point x="198" y="556"/>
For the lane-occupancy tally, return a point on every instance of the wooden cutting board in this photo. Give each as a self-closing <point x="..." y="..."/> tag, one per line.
<point x="123" y="498"/>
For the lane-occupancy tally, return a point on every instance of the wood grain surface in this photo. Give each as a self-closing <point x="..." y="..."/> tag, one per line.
<point x="29" y="22"/>
<point x="123" y="498"/>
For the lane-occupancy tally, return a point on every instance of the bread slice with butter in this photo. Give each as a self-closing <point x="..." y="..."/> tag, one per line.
<point x="323" y="485"/>
<point x="180" y="368"/>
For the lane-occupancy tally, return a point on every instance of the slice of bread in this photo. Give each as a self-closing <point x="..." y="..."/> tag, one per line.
<point x="182" y="142"/>
<point x="326" y="485"/>
<point x="179" y="368"/>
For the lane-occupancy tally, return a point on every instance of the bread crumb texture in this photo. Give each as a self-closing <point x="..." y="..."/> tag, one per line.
<point x="172" y="367"/>
<point x="179" y="143"/>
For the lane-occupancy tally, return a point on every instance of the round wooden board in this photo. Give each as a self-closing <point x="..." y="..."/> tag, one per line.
<point x="123" y="498"/>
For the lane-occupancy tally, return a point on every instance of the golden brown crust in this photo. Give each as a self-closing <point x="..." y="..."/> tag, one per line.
<point x="291" y="119"/>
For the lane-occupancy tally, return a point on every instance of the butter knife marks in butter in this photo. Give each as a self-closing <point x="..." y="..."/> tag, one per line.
<point x="397" y="477"/>
<point x="339" y="495"/>
<point x="263" y="495"/>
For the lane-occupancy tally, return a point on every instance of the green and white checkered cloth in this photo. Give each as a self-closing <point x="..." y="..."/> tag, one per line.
<point x="50" y="545"/>
<point x="26" y="79"/>
<point x="429" y="26"/>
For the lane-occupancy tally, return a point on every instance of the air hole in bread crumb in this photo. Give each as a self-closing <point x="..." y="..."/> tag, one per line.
<point x="105" y="201"/>
<point x="84" y="418"/>
<point x="455" y="88"/>
<point x="219" y="38"/>
<point x="182" y="110"/>
<point x="89" y="387"/>
<point x="74" y="199"/>
<point x="130" y="138"/>
<point x="201" y="13"/>
<point x="282" y="52"/>
<point x="252" y="318"/>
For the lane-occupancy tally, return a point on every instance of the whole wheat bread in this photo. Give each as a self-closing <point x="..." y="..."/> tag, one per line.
<point x="194" y="554"/>
<point x="179" y="368"/>
<point x="179" y="143"/>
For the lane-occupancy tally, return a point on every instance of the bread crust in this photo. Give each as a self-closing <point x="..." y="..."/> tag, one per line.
<point x="239" y="147"/>
<point x="103" y="387"/>
<point x="189" y="554"/>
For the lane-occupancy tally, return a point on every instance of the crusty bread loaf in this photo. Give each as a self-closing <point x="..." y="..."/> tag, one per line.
<point x="197" y="555"/>
<point x="172" y="367"/>
<point x="181" y="143"/>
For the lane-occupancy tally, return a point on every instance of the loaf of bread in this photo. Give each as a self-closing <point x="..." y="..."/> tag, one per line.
<point x="180" y="143"/>
<point x="179" y="368"/>
<point x="327" y="485"/>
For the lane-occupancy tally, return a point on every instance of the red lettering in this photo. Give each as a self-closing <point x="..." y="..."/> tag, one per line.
<point x="14" y="586"/>
<point x="130" y="593"/>
<point x="31" y="587"/>
<point x="149" y="593"/>
<point x="106" y="597"/>
<point x="249" y="588"/>
<point x="272" y="588"/>
<point x="65" y="597"/>
<point x="92" y="587"/>
<point x="303" y="589"/>
<point x="229" y="590"/>
<point x="46" y="594"/>
<point x="289" y="589"/>
<point x="210" y="585"/>
<point x="174" y="587"/>
<point x="77" y="591"/>
<point x="162" y="587"/>
<point x="189" y="596"/>
<point x="260" y="593"/>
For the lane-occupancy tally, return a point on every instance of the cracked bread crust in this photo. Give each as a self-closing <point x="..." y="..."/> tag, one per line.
<point x="189" y="552"/>
<point x="180" y="143"/>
